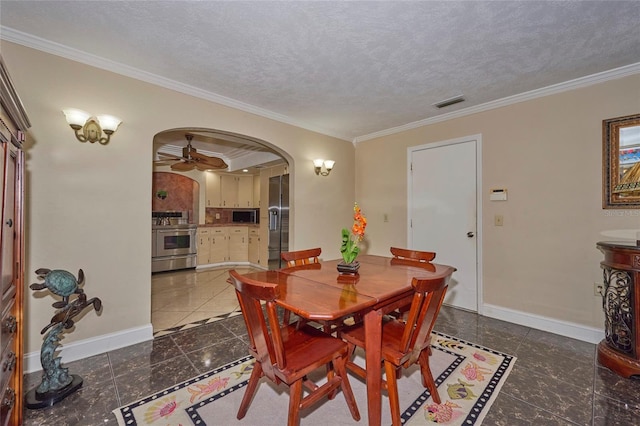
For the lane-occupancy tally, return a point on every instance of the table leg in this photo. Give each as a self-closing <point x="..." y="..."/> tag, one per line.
<point x="373" y="345"/>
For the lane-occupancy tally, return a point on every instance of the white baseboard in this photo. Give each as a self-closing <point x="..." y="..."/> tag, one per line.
<point x="93" y="346"/>
<point x="552" y="325"/>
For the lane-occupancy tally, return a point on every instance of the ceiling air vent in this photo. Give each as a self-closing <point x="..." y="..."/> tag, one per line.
<point x="450" y="101"/>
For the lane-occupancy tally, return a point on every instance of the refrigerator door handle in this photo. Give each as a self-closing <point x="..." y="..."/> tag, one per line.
<point x="273" y="219"/>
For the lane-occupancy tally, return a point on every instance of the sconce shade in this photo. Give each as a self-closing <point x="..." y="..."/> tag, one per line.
<point x="88" y="128"/>
<point x="76" y="117"/>
<point x="328" y="165"/>
<point x="109" y="123"/>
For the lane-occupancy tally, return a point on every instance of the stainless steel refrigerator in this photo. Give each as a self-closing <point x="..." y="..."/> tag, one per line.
<point x="278" y="219"/>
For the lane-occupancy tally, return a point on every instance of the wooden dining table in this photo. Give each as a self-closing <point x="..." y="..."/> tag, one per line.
<point x="319" y="292"/>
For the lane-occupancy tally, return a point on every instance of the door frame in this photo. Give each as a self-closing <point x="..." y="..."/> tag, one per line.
<point x="477" y="138"/>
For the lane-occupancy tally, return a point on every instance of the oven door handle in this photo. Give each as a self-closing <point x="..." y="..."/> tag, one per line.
<point x="176" y="231"/>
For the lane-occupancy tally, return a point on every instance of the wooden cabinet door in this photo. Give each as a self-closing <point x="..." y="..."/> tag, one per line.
<point x="245" y="191"/>
<point x="228" y="191"/>
<point x="219" y="245"/>
<point x="238" y="244"/>
<point x="256" y="191"/>
<point x="204" y="245"/>
<point x="254" y="246"/>
<point x="212" y="190"/>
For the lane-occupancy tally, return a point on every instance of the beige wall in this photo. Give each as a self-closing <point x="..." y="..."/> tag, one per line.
<point x="88" y="205"/>
<point x="548" y="153"/>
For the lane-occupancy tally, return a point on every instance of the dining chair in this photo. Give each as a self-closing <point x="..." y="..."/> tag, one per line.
<point x="412" y="255"/>
<point x="300" y="258"/>
<point x="287" y="354"/>
<point x="412" y="258"/>
<point x="405" y="343"/>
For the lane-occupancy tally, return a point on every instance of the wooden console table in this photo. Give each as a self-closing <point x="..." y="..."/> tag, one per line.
<point x="620" y="349"/>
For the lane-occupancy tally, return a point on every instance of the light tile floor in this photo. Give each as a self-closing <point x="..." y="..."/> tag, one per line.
<point x="183" y="299"/>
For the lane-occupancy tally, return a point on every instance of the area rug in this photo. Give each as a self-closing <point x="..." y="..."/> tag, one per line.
<point x="468" y="376"/>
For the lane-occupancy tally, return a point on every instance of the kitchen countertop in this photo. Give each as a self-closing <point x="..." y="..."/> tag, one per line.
<point x="215" y="225"/>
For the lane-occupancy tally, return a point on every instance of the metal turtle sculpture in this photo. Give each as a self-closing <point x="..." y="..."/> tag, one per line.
<point x="59" y="282"/>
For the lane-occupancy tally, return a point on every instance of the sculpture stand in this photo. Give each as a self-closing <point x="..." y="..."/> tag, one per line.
<point x="35" y="399"/>
<point x="57" y="383"/>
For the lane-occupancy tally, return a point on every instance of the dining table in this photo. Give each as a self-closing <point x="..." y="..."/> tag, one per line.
<point x="381" y="285"/>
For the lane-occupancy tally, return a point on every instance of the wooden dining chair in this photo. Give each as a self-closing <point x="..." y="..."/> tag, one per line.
<point x="405" y="343"/>
<point x="299" y="258"/>
<point x="412" y="255"/>
<point x="286" y="354"/>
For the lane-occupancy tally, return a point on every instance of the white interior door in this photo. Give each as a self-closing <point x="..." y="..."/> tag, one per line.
<point x="443" y="206"/>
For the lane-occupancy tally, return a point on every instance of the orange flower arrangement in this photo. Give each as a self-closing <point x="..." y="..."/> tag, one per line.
<point x="350" y="239"/>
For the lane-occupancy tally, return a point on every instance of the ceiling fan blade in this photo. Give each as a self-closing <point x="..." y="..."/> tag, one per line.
<point x="182" y="166"/>
<point x="212" y="162"/>
<point x="166" y="154"/>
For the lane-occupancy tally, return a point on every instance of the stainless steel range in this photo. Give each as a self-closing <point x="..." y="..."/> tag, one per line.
<point x="173" y="244"/>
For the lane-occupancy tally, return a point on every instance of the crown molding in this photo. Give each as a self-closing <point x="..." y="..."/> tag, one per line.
<point x="28" y="40"/>
<point x="577" y="83"/>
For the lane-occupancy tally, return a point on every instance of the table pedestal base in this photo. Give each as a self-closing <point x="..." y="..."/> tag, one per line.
<point x="620" y="364"/>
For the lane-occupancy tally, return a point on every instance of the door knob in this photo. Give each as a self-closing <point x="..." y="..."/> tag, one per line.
<point x="470" y="234"/>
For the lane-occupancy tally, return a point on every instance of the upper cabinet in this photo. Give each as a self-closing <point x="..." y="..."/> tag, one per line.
<point x="232" y="191"/>
<point x="213" y="198"/>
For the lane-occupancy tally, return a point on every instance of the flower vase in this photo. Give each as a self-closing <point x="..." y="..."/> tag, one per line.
<point x="348" y="268"/>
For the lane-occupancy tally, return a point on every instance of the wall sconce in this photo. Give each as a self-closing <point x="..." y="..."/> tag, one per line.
<point x="90" y="128"/>
<point x="328" y="165"/>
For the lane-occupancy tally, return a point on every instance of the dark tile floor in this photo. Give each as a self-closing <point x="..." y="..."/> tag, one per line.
<point x="555" y="381"/>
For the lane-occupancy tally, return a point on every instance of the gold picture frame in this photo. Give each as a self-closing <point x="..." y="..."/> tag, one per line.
<point x="621" y="162"/>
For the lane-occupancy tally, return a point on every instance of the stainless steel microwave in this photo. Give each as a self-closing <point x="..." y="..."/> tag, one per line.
<point x="244" y="216"/>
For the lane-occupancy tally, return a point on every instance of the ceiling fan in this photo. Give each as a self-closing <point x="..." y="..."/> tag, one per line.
<point x="190" y="159"/>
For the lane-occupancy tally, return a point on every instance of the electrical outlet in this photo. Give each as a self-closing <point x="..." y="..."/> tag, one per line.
<point x="598" y="289"/>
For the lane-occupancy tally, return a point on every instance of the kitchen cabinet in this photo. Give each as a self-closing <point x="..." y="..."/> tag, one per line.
<point x="256" y="191"/>
<point x="254" y="246"/>
<point x="238" y="244"/>
<point x="236" y="191"/>
<point x="228" y="244"/>
<point x="245" y="191"/>
<point x="13" y="124"/>
<point x="228" y="191"/>
<point x="219" y="249"/>
<point x="212" y="189"/>
<point x="204" y="246"/>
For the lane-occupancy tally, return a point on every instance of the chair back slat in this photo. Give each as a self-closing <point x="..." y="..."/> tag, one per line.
<point x="425" y="306"/>
<point x="266" y="342"/>
<point x="301" y="257"/>
<point x="413" y="255"/>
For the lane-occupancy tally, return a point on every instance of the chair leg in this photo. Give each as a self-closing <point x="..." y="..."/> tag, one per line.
<point x="286" y="317"/>
<point x="254" y="379"/>
<point x="341" y="370"/>
<point x="427" y="376"/>
<point x="392" y="389"/>
<point x="295" y="398"/>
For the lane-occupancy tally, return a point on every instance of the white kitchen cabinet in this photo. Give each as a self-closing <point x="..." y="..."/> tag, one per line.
<point x="212" y="189"/>
<point x="254" y="246"/>
<point x="228" y="191"/>
<point x="204" y="246"/>
<point x="238" y="244"/>
<point x="256" y="191"/>
<point x="245" y="191"/>
<point x="219" y="245"/>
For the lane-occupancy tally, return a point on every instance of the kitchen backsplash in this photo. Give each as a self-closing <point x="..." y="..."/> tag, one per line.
<point x="174" y="192"/>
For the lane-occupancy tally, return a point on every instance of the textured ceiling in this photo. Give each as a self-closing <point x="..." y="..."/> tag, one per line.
<point x="347" y="69"/>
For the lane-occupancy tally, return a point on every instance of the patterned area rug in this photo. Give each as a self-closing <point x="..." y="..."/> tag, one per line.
<point x="468" y="376"/>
